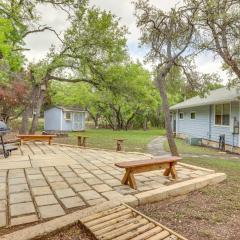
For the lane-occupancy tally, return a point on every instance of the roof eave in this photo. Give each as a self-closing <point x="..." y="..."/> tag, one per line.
<point x="204" y="104"/>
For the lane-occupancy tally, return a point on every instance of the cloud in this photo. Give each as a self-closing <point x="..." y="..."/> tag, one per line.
<point x="124" y="9"/>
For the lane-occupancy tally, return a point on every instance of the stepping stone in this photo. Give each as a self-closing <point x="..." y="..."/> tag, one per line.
<point x="81" y="187"/>
<point x="20" y="197"/>
<point x="21" y="209"/>
<point x="13" y="181"/>
<point x="102" y="188"/>
<point x="72" y="202"/>
<point x="67" y="192"/>
<point x="3" y="220"/>
<point x="89" y="195"/>
<point x="41" y="191"/>
<point x="18" y="188"/>
<point x="45" y="200"/>
<point x="23" y="220"/>
<point x="51" y="211"/>
<point x="58" y="185"/>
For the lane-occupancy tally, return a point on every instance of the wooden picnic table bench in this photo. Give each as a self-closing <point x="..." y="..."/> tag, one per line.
<point x="139" y="166"/>
<point x="35" y="137"/>
<point x="82" y="140"/>
<point x="119" y="143"/>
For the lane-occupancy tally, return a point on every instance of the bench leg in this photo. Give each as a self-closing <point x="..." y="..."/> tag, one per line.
<point x="167" y="171"/>
<point x="84" y="142"/>
<point x="173" y="172"/>
<point x="119" y="146"/>
<point x="126" y="177"/>
<point x="79" y="141"/>
<point x="132" y="181"/>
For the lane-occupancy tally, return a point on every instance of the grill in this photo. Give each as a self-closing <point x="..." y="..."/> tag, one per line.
<point x="6" y="149"/>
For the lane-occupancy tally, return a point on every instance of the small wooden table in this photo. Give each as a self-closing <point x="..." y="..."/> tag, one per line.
<point x="119" y="143"/>
<point x="132" y="167"/>
<point x="33" y="137"/>
<point x="82" y="140"/>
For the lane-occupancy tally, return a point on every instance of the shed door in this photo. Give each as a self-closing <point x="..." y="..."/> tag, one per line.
<point x="77" y="121"/>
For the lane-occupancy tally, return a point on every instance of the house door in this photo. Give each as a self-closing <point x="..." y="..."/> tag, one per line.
<point x="77" y="122"/>
<point x="173" y="121"/>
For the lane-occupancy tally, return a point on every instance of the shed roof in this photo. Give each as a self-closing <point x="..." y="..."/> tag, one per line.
<point x="220" y="95"/>
<point x="69" y="109"/>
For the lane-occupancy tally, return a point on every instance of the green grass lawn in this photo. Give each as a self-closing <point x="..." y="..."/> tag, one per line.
<point x="137" y="140"/>
<point x="183" y="147"/>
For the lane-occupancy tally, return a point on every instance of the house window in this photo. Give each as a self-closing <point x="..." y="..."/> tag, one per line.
<point x="193" y="115"/>
<point x="67" y="115"/>
<point x="222" y="114"/>
<point x="181" y="115"/>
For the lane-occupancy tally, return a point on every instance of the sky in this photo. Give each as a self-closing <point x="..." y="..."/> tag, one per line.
<point x="40" y="43"/>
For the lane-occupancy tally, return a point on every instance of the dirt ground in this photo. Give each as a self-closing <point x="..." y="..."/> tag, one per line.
<point x="196" y="217"/>
<point x="76" y="232"/>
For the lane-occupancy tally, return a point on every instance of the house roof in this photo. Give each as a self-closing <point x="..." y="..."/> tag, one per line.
<point x="220" y="95"/>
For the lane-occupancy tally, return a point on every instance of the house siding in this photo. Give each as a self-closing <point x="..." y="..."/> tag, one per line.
<point x="231" y="139"/>
<point x="52" y="119"/>
<point x="204" y="124"/>
<point x="198" y="127"/>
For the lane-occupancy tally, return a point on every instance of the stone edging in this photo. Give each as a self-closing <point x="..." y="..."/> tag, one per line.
<point x="181" y="188"/>
<point x="196" y="167"/>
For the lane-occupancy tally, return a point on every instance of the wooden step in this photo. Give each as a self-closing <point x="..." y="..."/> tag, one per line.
<point x="125" y="223"/>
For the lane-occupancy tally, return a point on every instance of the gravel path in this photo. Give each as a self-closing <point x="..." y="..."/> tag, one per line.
<point x="155" y="147"/>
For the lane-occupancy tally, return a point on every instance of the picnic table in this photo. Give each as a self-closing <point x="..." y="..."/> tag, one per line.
<point x="35" y="137"/>
<point x="139" y="166"/>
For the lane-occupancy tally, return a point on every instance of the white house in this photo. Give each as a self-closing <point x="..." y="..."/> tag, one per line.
<point x="208" y="118"/>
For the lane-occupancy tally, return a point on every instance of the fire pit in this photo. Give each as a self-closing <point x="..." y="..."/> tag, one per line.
<point x="6" y="149"/>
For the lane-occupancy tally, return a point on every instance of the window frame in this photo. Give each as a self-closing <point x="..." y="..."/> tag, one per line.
<point x="230" y="109"/>
<point x="65" y="114"/>
<point x="182" y="115"/>
<point x="194" y="115"/>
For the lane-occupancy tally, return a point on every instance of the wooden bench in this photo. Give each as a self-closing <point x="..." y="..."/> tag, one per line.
<point x="119" y="143"/>
<point x="34" y="137"/>
<point x="82" y="140"/>
<point x="132" y="167"/>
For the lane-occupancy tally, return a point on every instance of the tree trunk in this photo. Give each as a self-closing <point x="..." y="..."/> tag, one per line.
<point x="145" y="127"/>
<point x="96" y="125"/>
<point x="25" y="120"/>
<point x="37" y="110"/>
<point x="165" y="106"/>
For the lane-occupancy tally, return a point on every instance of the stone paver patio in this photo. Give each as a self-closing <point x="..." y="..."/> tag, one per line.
<point x="40" y="182"/>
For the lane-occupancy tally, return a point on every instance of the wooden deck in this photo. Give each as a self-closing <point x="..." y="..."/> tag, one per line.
<point x="125" y="223"/>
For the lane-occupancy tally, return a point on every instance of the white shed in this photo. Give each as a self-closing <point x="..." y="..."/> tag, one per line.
<point x="64" y="119"/>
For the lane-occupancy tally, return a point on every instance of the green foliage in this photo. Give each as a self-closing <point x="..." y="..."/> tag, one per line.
<point x="10" y="61"/>
<point x="127" y="96"/>
<point x="94" y="42"/>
